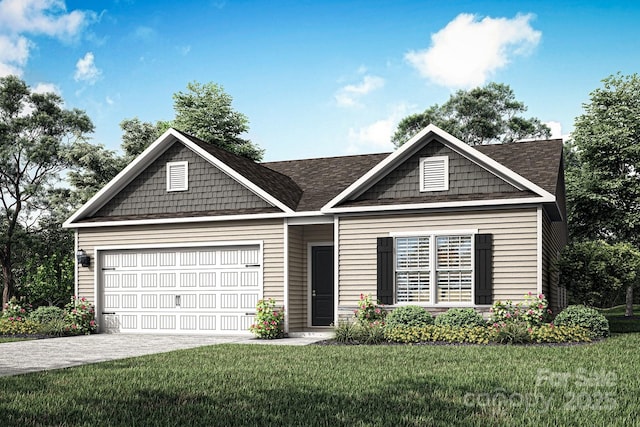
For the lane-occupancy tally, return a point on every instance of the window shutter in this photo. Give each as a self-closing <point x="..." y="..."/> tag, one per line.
<point x="483" y="269"/>
<point x="385" y="270"/>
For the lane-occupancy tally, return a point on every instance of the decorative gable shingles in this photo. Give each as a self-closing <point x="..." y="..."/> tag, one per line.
<point x="465" y="178"/>
<point x="209" y="190"/>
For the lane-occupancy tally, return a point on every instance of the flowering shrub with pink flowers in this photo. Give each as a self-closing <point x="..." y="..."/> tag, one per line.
<point x="369" y="312"/>
<point x="80" y="316"/>
<point x="269" y="323"/>
<point x="533" y="311"/>
<point x="15" y="311"/>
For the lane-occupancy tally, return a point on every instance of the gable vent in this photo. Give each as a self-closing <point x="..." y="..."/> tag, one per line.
<point x="177" y="176"/>
<point x="434" y="173"/>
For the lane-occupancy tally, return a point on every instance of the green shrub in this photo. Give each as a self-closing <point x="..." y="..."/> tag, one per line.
<point x="45" y="314"/>
<point x="512" y="333"/>
<point x="460" y="317"/>
<point x="54" y="327"/>
<point x="549" y="333"/>
<point x="433" y="333"/>
<point x="533" y="311"/>
<point x="585" y="317"/>
<point x="269" y="322"/>
<point x="12" y="327"/>
<point x="357" y="333"/>
<point x="409" y="315"/>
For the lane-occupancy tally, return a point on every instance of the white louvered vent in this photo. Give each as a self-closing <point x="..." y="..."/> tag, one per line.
<point x="177" y="176"/>
<point x="434" y="173"/>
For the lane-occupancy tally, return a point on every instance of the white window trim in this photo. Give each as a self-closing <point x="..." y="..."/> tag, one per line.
<point x="445" y="160"/>
<point x="184" y="164"/>
<point x="433" y="267"/>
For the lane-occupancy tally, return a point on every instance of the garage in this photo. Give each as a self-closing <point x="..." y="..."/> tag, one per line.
<point x="209" y="289"/>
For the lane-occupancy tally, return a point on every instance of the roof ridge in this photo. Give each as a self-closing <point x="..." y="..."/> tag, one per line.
<point x="328" y="158"/>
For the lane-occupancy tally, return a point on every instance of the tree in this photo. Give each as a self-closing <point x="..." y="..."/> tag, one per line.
<point x="139" y="135"/>
<point x="205" y="111"/>
<point x="603" y="189"/>
<point x="599" y="274"/>
<point x="35" y="132"/>
<point x="484" y="115"/>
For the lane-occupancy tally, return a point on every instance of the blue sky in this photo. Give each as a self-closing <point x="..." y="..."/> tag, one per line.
<point x="315" y="78"/>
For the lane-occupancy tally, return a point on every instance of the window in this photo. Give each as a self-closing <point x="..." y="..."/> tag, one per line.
<point x="177" y="176"/>
<point x="434" y="173"/>
<point x="434" y="269"/>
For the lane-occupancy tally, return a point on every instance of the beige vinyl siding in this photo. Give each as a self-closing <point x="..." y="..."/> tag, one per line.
<point x="271" y="232"/>
<point x="297" y="280"/>
<point x="553" y="240"/>
<point x="514" y="247"/>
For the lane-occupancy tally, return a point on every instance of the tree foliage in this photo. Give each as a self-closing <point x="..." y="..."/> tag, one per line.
<point x="604" y="186"/>
<point x="35" y="134"/>
<point x="597" y="273"/>
<point x="484" y="115"/>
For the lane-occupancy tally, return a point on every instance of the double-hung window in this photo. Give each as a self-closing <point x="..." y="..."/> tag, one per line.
<point x="434" y="269"/>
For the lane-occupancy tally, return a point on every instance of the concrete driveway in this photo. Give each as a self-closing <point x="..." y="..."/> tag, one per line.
<point x="21" y="357"/>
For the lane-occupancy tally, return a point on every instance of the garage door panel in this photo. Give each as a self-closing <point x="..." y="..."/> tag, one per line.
<point x="190" y="290"/>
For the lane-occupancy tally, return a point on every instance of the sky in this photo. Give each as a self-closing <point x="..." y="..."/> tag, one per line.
<point x="316" y="78"/>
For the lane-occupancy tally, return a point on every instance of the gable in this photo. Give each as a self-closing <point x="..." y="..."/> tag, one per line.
<point x="209" y="191"/>
<point x="465" y="178"/>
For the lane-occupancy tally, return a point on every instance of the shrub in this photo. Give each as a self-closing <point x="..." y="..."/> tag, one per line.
<point x="269" y="322"/>
<point x="368" y="311"/>
<point x="460" y="317"/>
<point x="585" y="317"/>
<point x="511" y="333"/>
<point x="549" y="333"/>
<point x="45" y="314"/>
<point x="533" y="310"/>
<point x="409" y="315"/>
<point x="357" y="333"/>
<point x="80" y="316"/>
<point x="434" y="333"/>
<point x="54" y="328"/>
<point x="12" y="327"/>
<point x="16" y="311"/>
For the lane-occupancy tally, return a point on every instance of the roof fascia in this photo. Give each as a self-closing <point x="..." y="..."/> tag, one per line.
<point x="413" y="144"/>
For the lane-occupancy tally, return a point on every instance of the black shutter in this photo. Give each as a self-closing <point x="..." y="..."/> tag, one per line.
<point x="483" y="268"/>
<point x="385" y="270"/>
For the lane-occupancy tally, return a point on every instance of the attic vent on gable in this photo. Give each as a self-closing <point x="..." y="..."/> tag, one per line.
<point x="434" y="173"/>
<point x="177" y="176"/>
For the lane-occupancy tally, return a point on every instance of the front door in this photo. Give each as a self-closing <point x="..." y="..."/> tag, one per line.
<point x="322" y="292"/>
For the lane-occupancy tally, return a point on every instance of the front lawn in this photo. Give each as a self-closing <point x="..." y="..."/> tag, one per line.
<point x="618" y="323"/>
<point x="595" y="384"/>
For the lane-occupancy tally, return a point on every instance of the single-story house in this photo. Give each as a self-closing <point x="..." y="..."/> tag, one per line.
<point x="188" y="237"/>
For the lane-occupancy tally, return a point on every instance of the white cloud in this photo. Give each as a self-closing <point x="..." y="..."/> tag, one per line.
<point x="144" y="33"/>
<point x="349" y="95"/>
<point x="556" y="129"/>
<point x="468" y="50"/>
<point x="109" y="100"/>
<point x="376" y="137"/>
<point x="46" y="88"/>
<point x="14" y="52"/>
<point x="19" y="18"/>
<point x="86" y="70"/>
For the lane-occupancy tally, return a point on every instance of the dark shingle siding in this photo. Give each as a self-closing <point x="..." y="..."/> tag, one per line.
<point x="209" y="190"/>
<point x="465" y="177"/>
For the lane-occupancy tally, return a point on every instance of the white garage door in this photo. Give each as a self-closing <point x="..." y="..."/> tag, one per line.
<point x="185" y="290"/>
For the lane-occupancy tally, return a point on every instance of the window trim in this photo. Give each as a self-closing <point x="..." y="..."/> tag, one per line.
<point x="433" y="234"/>
<point x="434" y="159"/>
<point x="185" y="185"/>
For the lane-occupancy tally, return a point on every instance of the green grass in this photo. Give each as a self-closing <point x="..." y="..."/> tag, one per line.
<point x="231" y="385"/>
<point x="618" y="323"/>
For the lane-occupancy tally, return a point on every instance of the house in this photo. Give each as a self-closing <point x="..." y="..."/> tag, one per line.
<point x="188" y="237"/>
